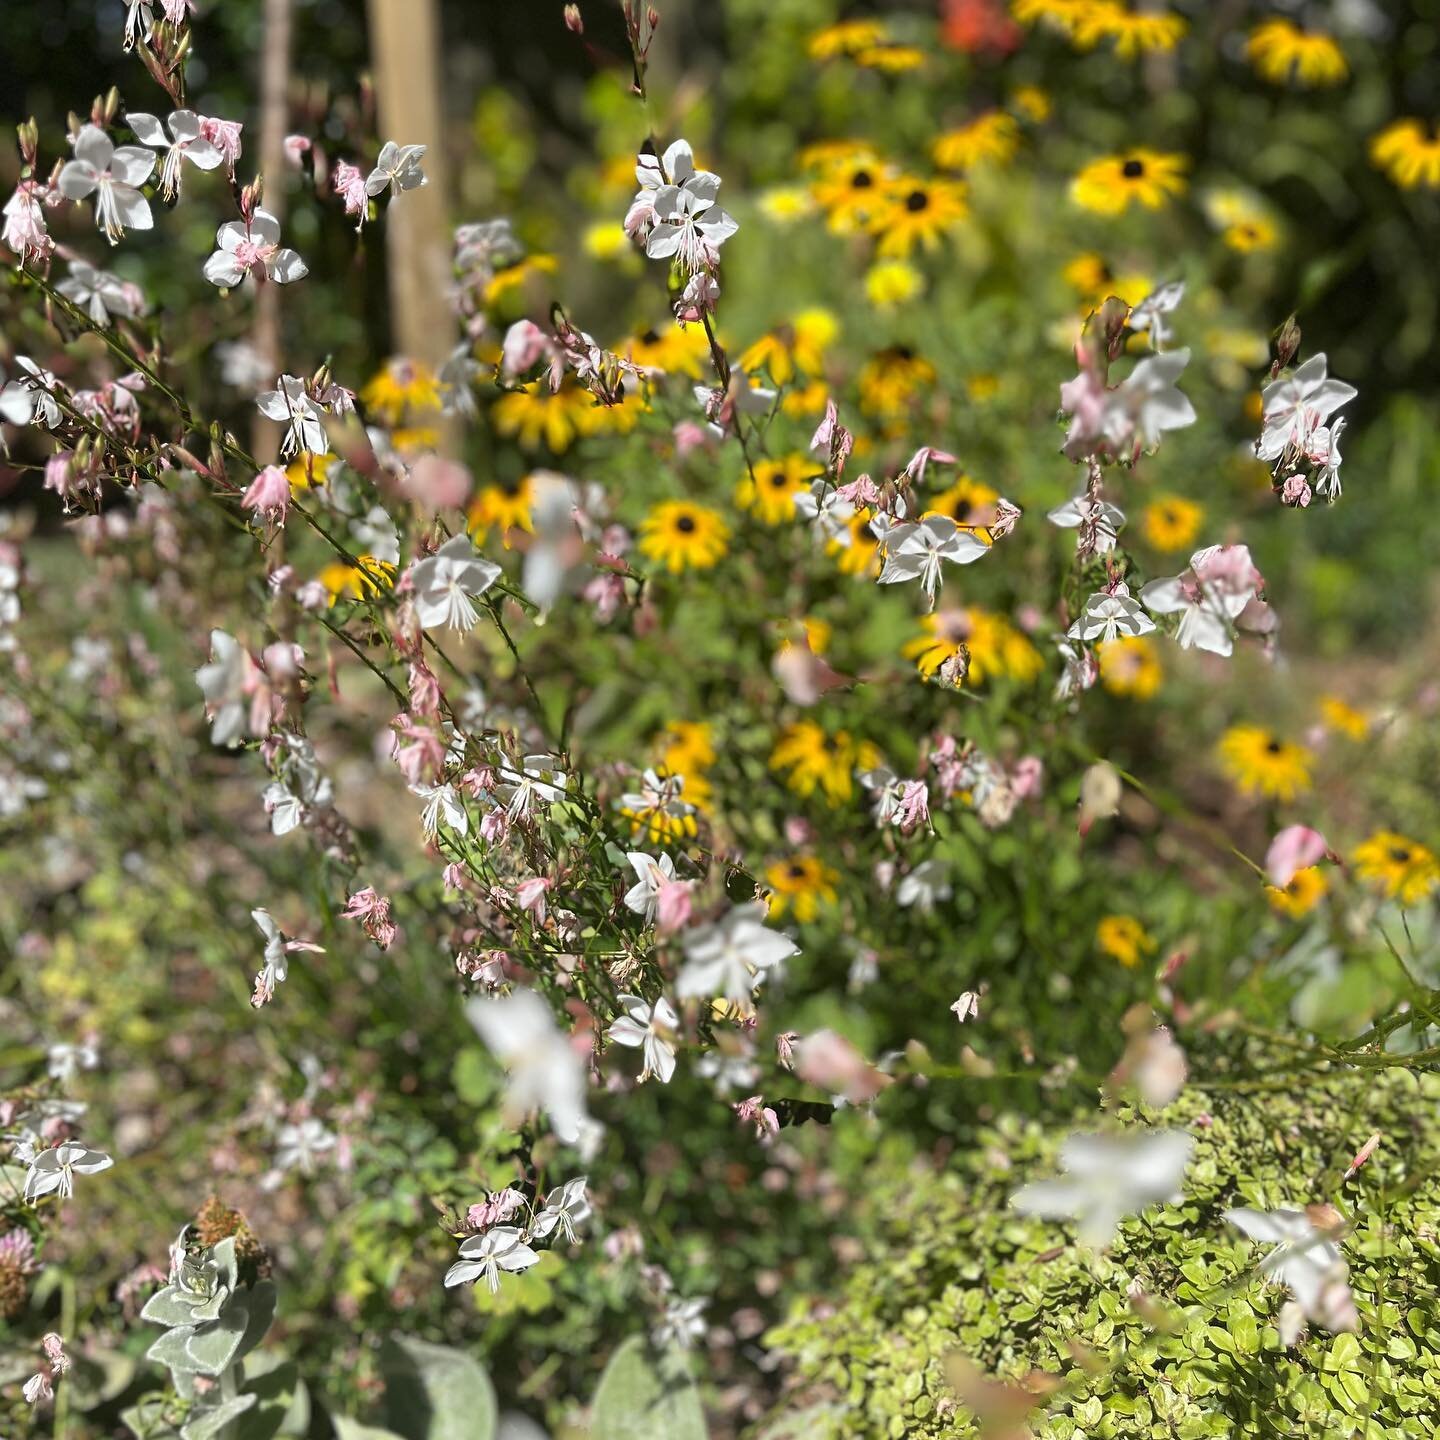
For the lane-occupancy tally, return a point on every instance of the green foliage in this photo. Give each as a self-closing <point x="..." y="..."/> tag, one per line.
<point x="646" y="1397"/>
<point x="950" y="1271"/>
<point x="436" y="1393"/>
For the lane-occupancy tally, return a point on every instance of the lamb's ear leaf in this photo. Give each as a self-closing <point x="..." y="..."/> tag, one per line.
<point x="354" y="1430"/>
<point x="260" y="1301"/>
<point x="205" y="1424"/>
<point x="284" y="1400"/>
<point x="165" y="1307"/>
<point x="435" y="1393"/>
<point x="647" y="1395"/>
<point x="213" y="1347"/>
<point x="169" y="1350"/>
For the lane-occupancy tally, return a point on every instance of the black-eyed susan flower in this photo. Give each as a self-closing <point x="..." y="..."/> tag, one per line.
<point x="889" y="380"/>
<point x="1305" y="890"/>
<point x="855" y="549"/>
<point x="1408" y="151"/>
<point x="684" y="536"/>
<point x="688" y="747"/>
<point x="988" y="139"/>
<point x="1109" y="185"/>
<point x="889" y="283"/>
<point x="798" y="346"/>
<point x="817" y="761"/>
<point x="308" y="469"/>
<point x="1343" y="719"/>
<point x="967" y="502"/>
<point x="1172" y="522"/>
<point x="1130" y="666"/>
<point x="1398" y="867"/>
<point x="1094" y="281"/>
<point x="847" y="38"/>
<point x="1284" y="54"/>
<point x="1032" y="102"/>
<point x="800" y="884"/>
<point x="1125" y="939"/>
<point x="1244" y="223"/>
<point x="852" y="192"/>
<point x="805" y="400"/>
<point x="503" y="505"/>
<point x="517" y="277"/>
<point x="1261" y="763"/>
<point x="891" y="59"/>
<point x="1134" y="32"/>
<point x="770" y="494"/>
<point x="677" y="350"/>
<point x="357" y="582"/>
<point x="535" y="414"/>
<point x="987" y="645"/>
<point x="402" y="388"/>
<point x="917" y="212"/>
<point x="1062" y="15"/>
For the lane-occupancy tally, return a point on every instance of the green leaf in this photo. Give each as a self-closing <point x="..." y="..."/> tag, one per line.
<point x="203" y="1424"/>
<point x="213" y="1347"/>
<point x="260" y="1300"/>
<point x="169" y="1350"/>
<point x="646" y="1398"/>
<point x="145" y="1419"/>
<point x="435" y="1393"/>
<point x="354" y="1430"/>
<point x="284" y="1400"/>
<point x="165" y="1307"/>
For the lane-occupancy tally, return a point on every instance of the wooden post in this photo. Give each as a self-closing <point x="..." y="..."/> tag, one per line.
<point x="405" y="61"/>
<point x="274" y="122"/>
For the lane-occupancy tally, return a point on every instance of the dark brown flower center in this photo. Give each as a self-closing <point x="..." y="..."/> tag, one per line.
<point x="1273" y="747"/>
<point x="1400" y="854"/>
<point x="685" y="524"/>
<point x="861" y="180"/>
<point x="916" y="201"/>
<point x="1133" y="169"/>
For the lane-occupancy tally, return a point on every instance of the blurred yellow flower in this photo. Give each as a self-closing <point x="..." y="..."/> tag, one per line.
<point x="677" y="350"/>
<point x="1343" y="719"/>
<point x="607" y="240"/>
<point x="819" y="761"/>
<point x="1135" y="32"/>
<point x="1032" y="102"/>
<point x="847" y="38"/>
<point x="1408" y="151"/>
<point x="690" y="747"/>
<point x="534" y="413"/>
<point x="1062" y="15"/>
<point x="991" y="138"/>
<point x="1172" y="523"/>
<point x="892" y="282"/>
<point x="784" y="204"/>
<point x="1284" y="54"/>
<point x="1130" y="666"/>
<point x="859" y="552"/>
<point x="890" y="378"/>
<point x="771" y="495"/>
<point x="1400" y="868"/>
<point x="403" y="387"/>
<point x="808" y="399"/>
<point x="802" y="883"/>
<point x="1304" y="892"/>
<point x="503" y="505"/>
<point x="516" y="277"/>
<point x="799" y="345"/>
<point x="967" y="502"/>
<point x="1125" y="939"/>
<point x="891" y="59"/>
<point x="359" y="582"/>
<point x="917" y="212"/>
<point x="684" y="536"/>
<point x="982" y="387"/>
<point x="995" y="647"/>
<point x="308" y="469"/>
<point x="1247" y="236"/>
<point x="1261" y="763"/>
<point x="1093" y="280"/>
<point x="1109" y="185"/>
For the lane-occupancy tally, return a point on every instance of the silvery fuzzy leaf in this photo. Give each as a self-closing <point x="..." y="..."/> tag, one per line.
<point x="169" y="1350"/>
<point x="283" y="1400"/>
<point x="435" y="1393"/>
<point x="205" y="1424"/>
<point x="260" y="1301"/>
<point x="170" y="1306"/>
<point x="647" y="1397"/>
<point x="213" y="1347"/>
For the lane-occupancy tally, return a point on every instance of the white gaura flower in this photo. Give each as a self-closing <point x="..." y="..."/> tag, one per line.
<point x="731" y="956"/>
<point x="1305" y="1260"/>
<point x="398" y="166"/>
<point x="113" y="176"/>
<point x="649" y="1028"/>
<point x="442" y="802"/>
<point x="222" y="682"/>
<point x="1148" y="402"/>
<point x="1217" y="594"/>
<point x="1324" y="454"/>
<point x="915" y="550"/>
<point x="925" y="886"/>
<point x="1108" y="1177"/>
<point x="31" y="397"/>
<point x="445" y="583"/>
<point x="643" y="897"/>
<point x="290" y="405"/>
<point x="653" y="173"/>
<point x="64" y="1062"/>
<point x="1098" y="521"/>
<point x="139" y="21"/>
<point x="540" y="779"/>
<point x="253" y="249"/>
<point x="1149" y="315"/>
<point x="827" y="513"/>
<point x="101" y="294"/>
<point x="484" y="1256"/>
<point x="1298" y="405"/>
<point x="688" y="227"/>
<point x="1109" y="615"/>
<point x="184" y="142"/>
<point x="297" y="1147"/>
<point x="565" y="1208"/>
<point x="53" y="1171"/>
<point x="276" y="967"/>
<point x="376" y="535"/>
<point x="682" y="1325"/>
<point x="545" y="1071"/>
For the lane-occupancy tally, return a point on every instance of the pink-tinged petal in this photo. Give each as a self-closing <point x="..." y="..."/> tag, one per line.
<point x="94" y="147"/>
<point x="148" y="129"/>
<point x="286" y="266"/>
<point x="265" y="228"/>
<point x="132" y="208"/>
<point x="223" y="270"/>
<point x="1296" y="847"/>
<point x="131" y="165"/>
<point x="203" y="154"/>
<point x="78" y="179"/>
<point x="230" y="236"/>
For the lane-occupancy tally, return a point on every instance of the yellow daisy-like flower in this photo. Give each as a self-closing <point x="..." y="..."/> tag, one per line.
<point x="1125" y="939"/>
<point x="1109" y="185"/>
<point x="1344" y="719"/>
<point x="889" y="380"/>
<point x="1094" y="281"/>
<point x="859" y="552"/>
<point x="358" y="582"/>
<point x="802" y="883"/>
<point x="1032" y="102"/>
<point x="535" y="414"/>
<point x="891" y="59"/>
<point x="988" y="139"/>
<point x="308" y="469"/>
<point x="1284" y="54"/>
<point x="785" y="204"/>
<point x="689" y="748"/>
<point x="994" y="645"/>
<point x="849" y="37"/>
<point x="1172" y="523"/>
<point x="918" y="213"/>
<point x="684" y="536"/>
<point x="1062" y="15"/>
<point x="967" y="502"/>
<point x="607" y="240"/>
<point x="982" y="388"/>
<point x="828" y="156"/>
<point x="799" y="346"/>
<point x="659" y="825"/>
<point x="403" y="387"/>
<point x="1135" y="32"/>
<point x="1400" y="868"/>
<point x="1307" y="888"/>
<point x="1408" y="151"/>
<point x="770" y="496"/>
<point x="504" y="505"/>
<point x="819" y="761"/>
<point x="803" y="400"/>
<point x="1260" y="763"/>
<point x="517" y="276"/>
<point x="618" y="419"/>
<point x="677" y="350"/>
<point x="892" y="282"/>
<point x="851" y="193"/>
<point x="1248" y="236"/>
<point x="1130" y="666"/>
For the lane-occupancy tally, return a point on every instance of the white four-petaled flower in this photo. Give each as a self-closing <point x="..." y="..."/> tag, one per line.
<point x="485" y="1255"/>
<point x="398" y="166"/>
<point x="113" y="176"/>
<point x="54" y="1170"/>
<point x="445" y="583"/>
<point x="186" y="141"/>
<point x="253" y="249"/>
<point x="731" y="955"/>
<point x="649" y="1028"/>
